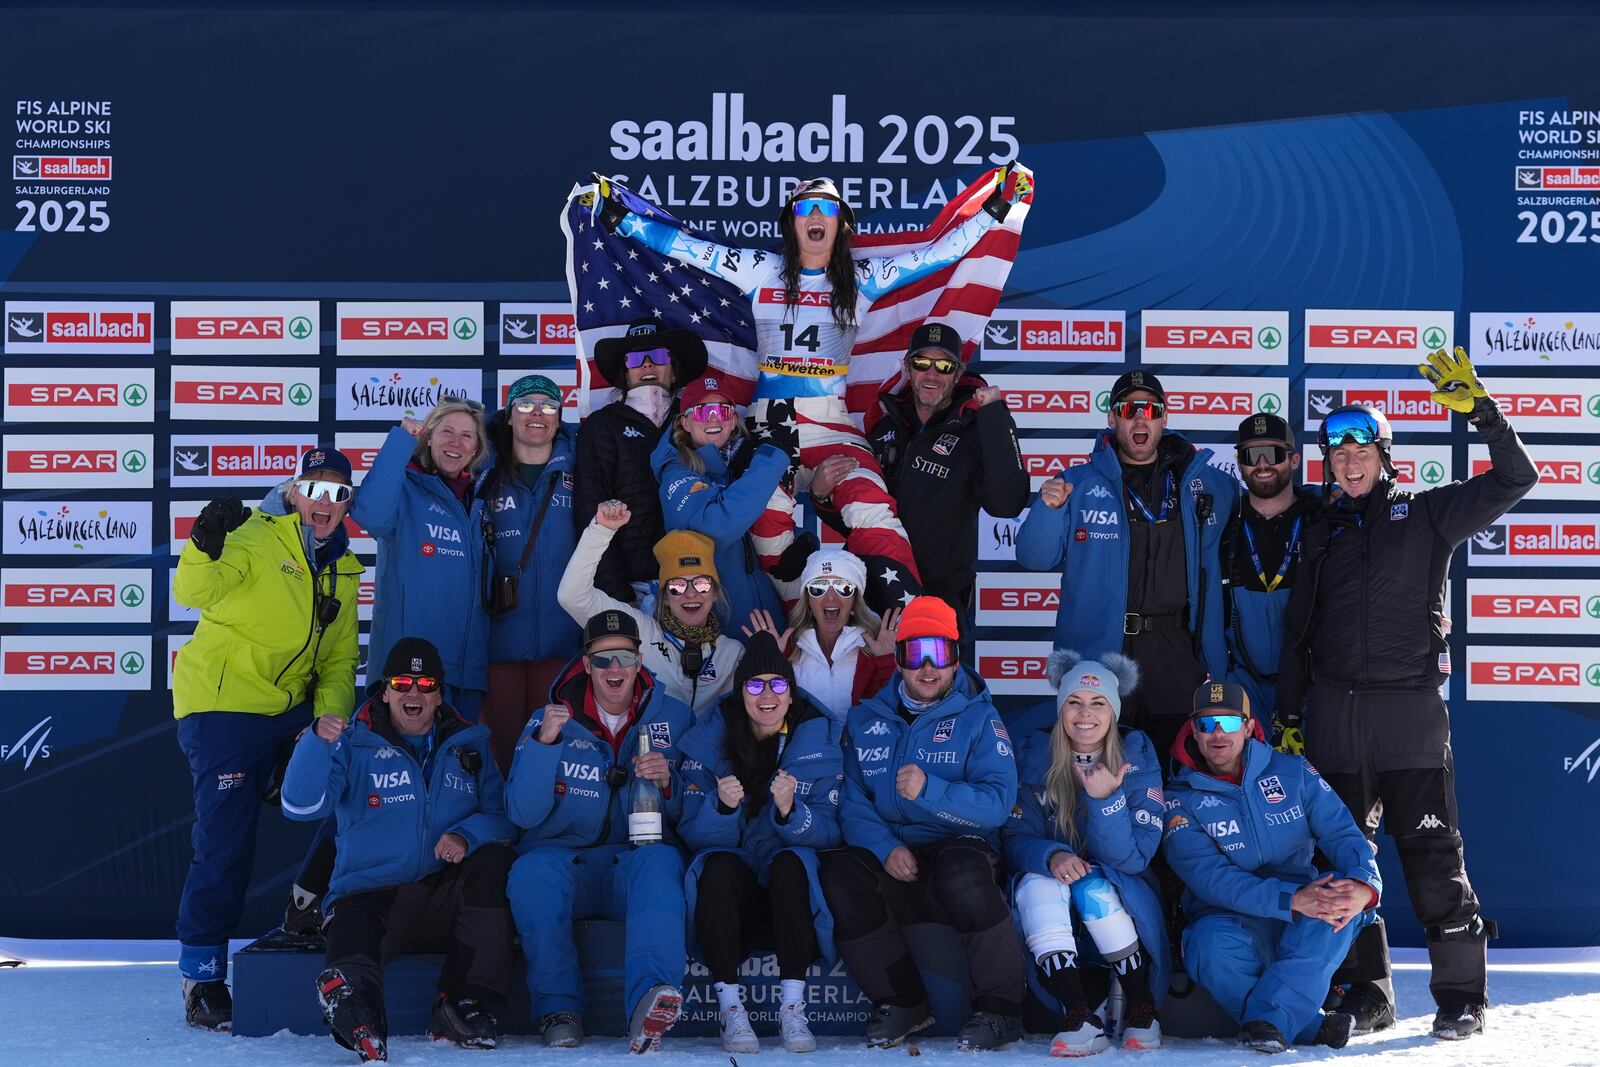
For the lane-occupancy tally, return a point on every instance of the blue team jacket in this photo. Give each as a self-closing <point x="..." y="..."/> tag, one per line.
<point x="1120" y="835"/>
<point x="724" y="509"/>
<point x="539" y="628"/>
<point x="561" y="794"/>
<point x="1246" y="848"/>
<point x="1255" y="628"/>
<point x="390" y="813"/>
<point x="961" y="745"/>
<point x="432" y="571"/>
<point x="811" y="753"/>
<point x="1085" y="539"/>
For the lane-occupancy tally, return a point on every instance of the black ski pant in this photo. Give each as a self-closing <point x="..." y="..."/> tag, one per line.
<point x="955" y="885"/>
<point x="733" y="911"/>
<point x="460" y="910"/>
<point x="1386" y="752"/>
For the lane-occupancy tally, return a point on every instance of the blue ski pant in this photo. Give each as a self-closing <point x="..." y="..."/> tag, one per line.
<point x="232" y="756"/>
<point x="551" y="887"/>
<point x="1268" y="969"/>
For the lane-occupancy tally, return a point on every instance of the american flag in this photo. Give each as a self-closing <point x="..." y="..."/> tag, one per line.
<point x="614" y="281"/>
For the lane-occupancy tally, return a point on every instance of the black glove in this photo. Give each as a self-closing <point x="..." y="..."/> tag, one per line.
<point x="1486" y="413"/>
<point x="1288" y="734"/>
<point x="609" y="212"/>
<point x="216" y="521"/>
<point x="792" y="563"/>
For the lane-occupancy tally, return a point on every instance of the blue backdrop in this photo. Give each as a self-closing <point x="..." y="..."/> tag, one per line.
<point x="1230" y="162"/>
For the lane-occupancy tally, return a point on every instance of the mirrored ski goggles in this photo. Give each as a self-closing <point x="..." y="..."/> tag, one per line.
<point x="536" y="407"/>
<point x="1251" y="455"/>
<point x="913" y="653"/>
<point x="821" y="586"/>
<point x="938" y="363"/>
<point x="1149" y="409"/>
<point x="1347" y="427"/>
<point x="806" y="205"/>
<point x="1210" y="724"/>
<point x="713" y="412"/>
<point x="700" y="583"/>
<point x="402" y="683"/>
<point x="616" y="657"/>
<point x="756" y="686"/>
<point x="318" y="489"/>
<point x="639" y="357"/>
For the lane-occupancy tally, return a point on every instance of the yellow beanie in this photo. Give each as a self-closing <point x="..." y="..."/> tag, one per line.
<point x="684" y="552"/>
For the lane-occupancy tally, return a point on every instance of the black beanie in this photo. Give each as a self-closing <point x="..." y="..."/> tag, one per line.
<point x="762" y="656"/>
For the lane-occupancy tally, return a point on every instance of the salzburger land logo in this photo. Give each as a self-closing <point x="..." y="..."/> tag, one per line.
<point x="258" y="327"/>
<point x="443" y="328"/>
<point x="65" y="327"/>
<point x="79" y="394"/>
<point x="82" y="462"/>
<point x="75" y="662"/>
<point x="236" y="460"/>
<point x="1387" y="337"/>
<point x="1540" y="339"/>
<point x="390" y="394"/>
<point x="40" y="527"/>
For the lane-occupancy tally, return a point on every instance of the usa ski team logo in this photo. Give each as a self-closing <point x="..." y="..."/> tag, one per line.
<point x="660" y="734"/>
<point x="946" y="444"/>
<point x="1398" y="511"/>
<point x="1272" y="789"/>
<point x="943" y="731"/>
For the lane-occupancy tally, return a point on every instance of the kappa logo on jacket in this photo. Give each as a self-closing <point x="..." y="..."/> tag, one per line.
<point x="632" y="431"/>
<point x="1097" y="492"/>
<point x="877" y="729"/>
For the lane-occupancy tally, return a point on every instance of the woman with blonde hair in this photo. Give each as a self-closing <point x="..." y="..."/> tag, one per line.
<point x="1086" y="824"/>
<point x="420" y="503"/>
<point x="841" y="651"/>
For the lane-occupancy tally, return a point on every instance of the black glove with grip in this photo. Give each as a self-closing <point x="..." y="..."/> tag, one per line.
<point x="216" y="521"/>
<point x="1288" y="733"/>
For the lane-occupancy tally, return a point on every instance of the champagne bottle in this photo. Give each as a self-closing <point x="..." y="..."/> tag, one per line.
<point x="644" y="812"/>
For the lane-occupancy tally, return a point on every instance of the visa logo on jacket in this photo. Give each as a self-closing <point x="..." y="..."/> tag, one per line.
<point x="390" y="779"/>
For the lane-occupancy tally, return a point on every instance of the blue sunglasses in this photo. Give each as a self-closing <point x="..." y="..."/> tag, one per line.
<point x="806" y="205"/>
<point x="1210" y="724"/>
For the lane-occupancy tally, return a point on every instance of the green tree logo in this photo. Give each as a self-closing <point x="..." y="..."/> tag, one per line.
<point x="464" y="329"/>
<point x="1269" y="338"/>
<point x="300" y="394"/>
<point x="134" y="461"/>
<point x="1433" y="338"/>
<point x="1433" y="472"/>
<point x="132" y="663"/>
<point x="1593" y="607"/>
<point x="1594" y="473"/>
<point x="299" y="327"/>
<point x="1102" y="401"/>
<point x="132" y="596"/>
<point x="1270" y="403"/>
<point x="135" y="395"/>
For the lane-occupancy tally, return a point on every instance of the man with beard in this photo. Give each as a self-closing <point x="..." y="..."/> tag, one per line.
<point x="1261" y="552"/>
<point x="1138" y="551"/>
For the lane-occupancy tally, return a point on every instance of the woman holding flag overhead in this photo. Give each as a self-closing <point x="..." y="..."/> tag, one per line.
<point x="831" y="308"/>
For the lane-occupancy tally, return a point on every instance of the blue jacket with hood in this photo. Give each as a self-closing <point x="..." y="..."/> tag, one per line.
<point x="1254" y="617"/>
<point x="565" y="794"/>
<point x="723" y="503"/>
<point x="1119" y="835"/>
<point x="963" y="747"/>
<point x="539" y="628"/>
<point x="390" y="809"/>
<point x="433" y="573"/>
<point x="1246" y="847"/>
<point x="1086" y="540"/>
<point x="811" y="753"/>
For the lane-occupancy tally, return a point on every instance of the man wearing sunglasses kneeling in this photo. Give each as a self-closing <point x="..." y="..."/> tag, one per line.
<point x="576" y="768"/>
<point x="929" y="780"/>
<point x="1266" y="930"/>
<point x="1138" y="550"/>
<point x="948" y="446"/>
<point x="422" y="853"/>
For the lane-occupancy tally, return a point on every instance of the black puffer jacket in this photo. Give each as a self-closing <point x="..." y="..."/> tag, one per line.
<point x="1367" y="607"/>
<point x="613" y="463"/>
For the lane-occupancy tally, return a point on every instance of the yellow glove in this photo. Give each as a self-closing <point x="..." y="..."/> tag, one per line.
<point x="1288" y="734"/>
<point x="1455" y="383"/>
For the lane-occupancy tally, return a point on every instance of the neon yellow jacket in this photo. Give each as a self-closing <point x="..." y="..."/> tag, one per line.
<point x="257" y="647"/>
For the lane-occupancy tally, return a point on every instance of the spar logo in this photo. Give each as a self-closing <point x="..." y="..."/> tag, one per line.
<point x="84" y="461"/>
<point x="1388" y="337"/>
<point x="73" y="327"/>
<point x="1566" y="472"/>
<point x="61" y="168"/>
<point x="1013" y="599"/>
<point x="1564" y="606"/>
<point x="242" y="393"/>
<point x="404" y="328"/>
<point x="1533" y="673"/>
<point x="1234" y="405"/>
<point x="79" y="394"/>
<point x="259" y="327"/>
<point x="361" y="449"/>
<point x="1014" y="666"/>
<point x="1056" y="401"/>
<point x="73" y="662"/>
<point x="1212" y="337"/>
<point x="52" y="595"/>
<point x="1045" y="458"/>
<point x="1549" y="405"/>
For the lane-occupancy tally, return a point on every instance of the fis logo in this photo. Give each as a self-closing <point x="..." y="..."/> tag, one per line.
<point x="32" y="745"/>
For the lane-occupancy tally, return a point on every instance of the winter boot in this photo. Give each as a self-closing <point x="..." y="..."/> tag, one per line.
<point x="654" y="1015"/>
<point x="988" y="1030"/>
<point x="1262" y="1036"/>
<point x="561" y="1029"/>
<point x="1336" y="1028"/>
<point x="208" y="1005"/>
<point x="1366" y="1003"/>
<point x="465" y="1021"/>
<point x="890" y="1024"/>
<point x="1459" y="1020"/>
<point x="350" y="1018"/>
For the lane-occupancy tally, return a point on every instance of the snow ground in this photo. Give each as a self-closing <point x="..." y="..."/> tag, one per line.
<point x="116" y="1016"/>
